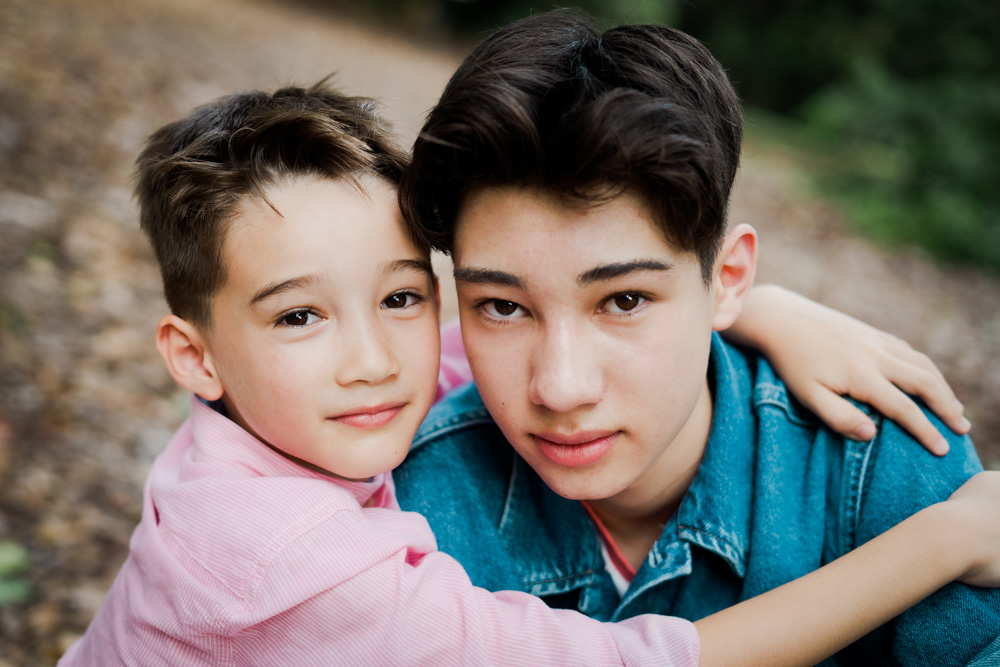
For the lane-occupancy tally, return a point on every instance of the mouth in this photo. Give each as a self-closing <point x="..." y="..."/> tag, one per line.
<point x="369" y="417"/>
<point x="575" y="449"/>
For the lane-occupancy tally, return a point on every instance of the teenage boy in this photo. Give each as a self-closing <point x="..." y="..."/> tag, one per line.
<point x="580" y="181"/>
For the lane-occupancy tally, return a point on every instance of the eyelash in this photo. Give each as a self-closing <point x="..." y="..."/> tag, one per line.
<point x="482" y="304"/>
<point x="280" y="321"/>
<point x="418" y="298"/>
<point x="644" y="300"/>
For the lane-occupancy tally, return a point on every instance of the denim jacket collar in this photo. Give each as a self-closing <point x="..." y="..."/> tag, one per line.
<point x="573" y="555"/>
<point x="716" y="511"/>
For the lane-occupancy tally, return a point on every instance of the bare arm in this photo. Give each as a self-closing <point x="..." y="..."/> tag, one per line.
<point x="813" y="617"/>
<point x="823" y="354"/>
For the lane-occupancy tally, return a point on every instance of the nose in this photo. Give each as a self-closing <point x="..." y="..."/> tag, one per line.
<point x="365" y="354"/>
<point x="565" y="371"/>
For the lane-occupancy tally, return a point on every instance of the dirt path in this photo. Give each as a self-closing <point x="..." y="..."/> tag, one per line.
<point x="84" y="401"/>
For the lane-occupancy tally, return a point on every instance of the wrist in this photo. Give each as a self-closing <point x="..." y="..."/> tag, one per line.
<point x="759" y="323"/>
<point x="949" y="536"/>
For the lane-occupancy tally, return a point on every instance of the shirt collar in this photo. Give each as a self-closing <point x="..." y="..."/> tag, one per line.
<point x="219" y="440"/>
<point x="715" y="513"/>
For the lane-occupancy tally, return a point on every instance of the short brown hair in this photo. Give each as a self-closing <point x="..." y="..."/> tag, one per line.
<point x="552" y="103"/>
<point x="194" y="173"/>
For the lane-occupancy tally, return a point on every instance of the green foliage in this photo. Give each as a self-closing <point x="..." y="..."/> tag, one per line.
<point x="471" y="20"/>
<point x="477" y="17"/>
<point x="13" y="320"/>
<point x="14" y="561"/>
<point x="919" y="160"/>
<point x="903" y="96"/>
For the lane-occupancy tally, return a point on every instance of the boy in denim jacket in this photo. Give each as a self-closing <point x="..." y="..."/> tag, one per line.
<point x="616" y="455"/>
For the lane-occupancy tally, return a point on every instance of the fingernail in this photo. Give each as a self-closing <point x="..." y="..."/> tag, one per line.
<point x="941" y="447"/>
<point x="865" y="431"/>
<point x="964" y="425"/>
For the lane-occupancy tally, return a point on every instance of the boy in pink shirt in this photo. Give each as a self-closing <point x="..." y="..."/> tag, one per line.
<point x="305" y="326"/>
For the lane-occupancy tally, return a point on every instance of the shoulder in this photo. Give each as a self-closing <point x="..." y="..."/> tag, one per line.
<point x="881" y="481"/>
<point x="745" y="384"/>
<point x="901" y="477"/>
<point x="228" y="528"/>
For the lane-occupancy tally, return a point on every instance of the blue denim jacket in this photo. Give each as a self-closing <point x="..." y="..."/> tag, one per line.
<point x="777" y="495"/>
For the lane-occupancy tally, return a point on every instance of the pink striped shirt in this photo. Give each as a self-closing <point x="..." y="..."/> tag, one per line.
<point x="245" y="558"/>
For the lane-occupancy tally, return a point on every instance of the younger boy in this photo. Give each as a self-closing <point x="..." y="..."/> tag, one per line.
<point x="580" y="180"/>
<point x="305" y="325"/>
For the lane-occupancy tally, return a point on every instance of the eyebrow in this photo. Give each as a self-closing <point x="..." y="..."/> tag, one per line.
<point x="487" y="277"/>
<point x="282" y="286"/>
<point x="275" y="288"/>
<point x="596" y="274"/>
<point x="610" y="271"/>
<point x="418" y="265"/>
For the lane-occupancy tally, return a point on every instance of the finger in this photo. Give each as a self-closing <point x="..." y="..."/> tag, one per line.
<point x="890" y="341"/>
<point x="931" y="388"/>
<point x="888" y="399"/>
<point x="838" y="413"/>
<point x="907" y="354"/>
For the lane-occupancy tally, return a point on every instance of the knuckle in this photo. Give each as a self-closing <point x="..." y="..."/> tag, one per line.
<point x="923" y="360"/>
<point x="900" y="408"/>
<point x="859" y="368"/>
<point x="892" y="341"/>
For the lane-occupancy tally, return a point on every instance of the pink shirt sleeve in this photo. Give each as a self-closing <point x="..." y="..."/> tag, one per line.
<point x="454" y="364"/>
<point x="423" y="610"/>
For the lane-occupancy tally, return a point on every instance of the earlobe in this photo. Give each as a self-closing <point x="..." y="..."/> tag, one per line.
<point x="187" y="357"/>
<point x="735" y="269"/>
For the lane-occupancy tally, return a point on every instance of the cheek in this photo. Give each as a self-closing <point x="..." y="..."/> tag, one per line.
<point x="497" y="370"/>
<point x="667" y="365"/>
<point x="275" y="384"/>
<point x="417" y="347"/>
<point x="425" y="349"/>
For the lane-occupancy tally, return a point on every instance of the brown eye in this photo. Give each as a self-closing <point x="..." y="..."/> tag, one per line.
<point x="297" y="318"/>
<point x="401" y="300"/>
<point x="395" y="301"/>
<point x="504" y="307"/>
<point x="501" y="309"/>
<point x="626" y="301"/>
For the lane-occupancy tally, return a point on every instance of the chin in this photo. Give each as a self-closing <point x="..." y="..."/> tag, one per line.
<point x="395" y="463"/>
<point x="581" y="486"/>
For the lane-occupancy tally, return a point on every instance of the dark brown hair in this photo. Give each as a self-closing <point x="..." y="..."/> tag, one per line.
<point x="552" y="103"/>
<point x="194" y="173"/>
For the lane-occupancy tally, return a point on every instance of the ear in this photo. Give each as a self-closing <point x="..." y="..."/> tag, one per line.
<point x="186" y="355"/>
<point x="733" y="276"/>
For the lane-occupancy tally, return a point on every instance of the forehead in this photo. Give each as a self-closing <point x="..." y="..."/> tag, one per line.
<point x="515" y="223"/>
<point x="317" y="225"/>
<point x="350" y="207"/>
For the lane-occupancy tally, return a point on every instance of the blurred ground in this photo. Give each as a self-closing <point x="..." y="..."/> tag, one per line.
<point x="84" y="401"/>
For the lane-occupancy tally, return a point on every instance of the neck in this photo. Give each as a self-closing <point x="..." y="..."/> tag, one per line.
<point x="635" y="517"/>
